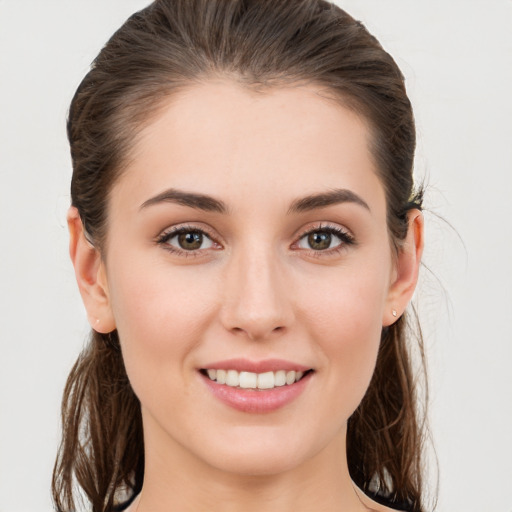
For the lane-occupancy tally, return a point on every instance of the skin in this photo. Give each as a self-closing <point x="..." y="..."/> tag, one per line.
<point x="257" y="291"/>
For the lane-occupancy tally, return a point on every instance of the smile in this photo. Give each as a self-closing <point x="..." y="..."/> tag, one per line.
<point x="251" y="380"/>
<point x="256" y="387"/>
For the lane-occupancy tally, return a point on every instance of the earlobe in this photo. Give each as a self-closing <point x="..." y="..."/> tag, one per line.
<point x="90" y="275"/>
<point x="407" y="269"/>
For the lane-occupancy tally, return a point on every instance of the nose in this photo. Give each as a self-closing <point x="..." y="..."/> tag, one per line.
<point x="257" y="301"/>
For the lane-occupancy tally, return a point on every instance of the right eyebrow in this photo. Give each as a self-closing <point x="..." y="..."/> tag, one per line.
<point x="191" y="199"/>
<point x="325" y="199"/>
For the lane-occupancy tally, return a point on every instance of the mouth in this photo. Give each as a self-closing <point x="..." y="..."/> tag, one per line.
<point x="256" y="386"/>
<point x="254" y="381"/>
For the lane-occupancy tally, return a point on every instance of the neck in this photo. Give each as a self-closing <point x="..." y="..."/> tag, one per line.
<point x="175" y="479"/>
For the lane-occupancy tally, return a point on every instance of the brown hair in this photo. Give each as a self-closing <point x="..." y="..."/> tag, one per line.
<point x="172" y="44"/>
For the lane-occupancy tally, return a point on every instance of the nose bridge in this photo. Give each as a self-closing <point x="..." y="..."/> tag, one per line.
<point x="256" y="301"/>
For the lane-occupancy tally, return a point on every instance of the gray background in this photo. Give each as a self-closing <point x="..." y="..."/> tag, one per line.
<point x="456" y="55"/>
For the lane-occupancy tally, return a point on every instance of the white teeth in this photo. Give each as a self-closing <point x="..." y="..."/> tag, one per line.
<point x="280" y="378"/>
<point x="221" y="376"/>
<point x="232" y="378"/>
<point x="266" y="380"/>
<point x="250" y="380"/>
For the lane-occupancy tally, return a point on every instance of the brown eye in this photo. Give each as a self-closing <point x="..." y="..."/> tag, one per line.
<point x="319" y="240"/>
<point x="325" y="239"/>
<point x="188" y="240"/>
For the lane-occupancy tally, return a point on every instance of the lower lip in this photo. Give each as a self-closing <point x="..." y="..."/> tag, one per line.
<point x="257" y="401"/>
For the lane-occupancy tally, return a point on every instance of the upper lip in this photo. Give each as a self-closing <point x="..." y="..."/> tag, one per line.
<point x="266" y="365"/>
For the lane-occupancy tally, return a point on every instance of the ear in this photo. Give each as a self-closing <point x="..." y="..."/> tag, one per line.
<point x="90" y="275"/>
<point x="407" y="265"/>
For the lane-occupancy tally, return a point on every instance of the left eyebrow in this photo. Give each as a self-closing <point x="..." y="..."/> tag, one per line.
<point x="190" y="199"/>
<point x="325" y="199"/>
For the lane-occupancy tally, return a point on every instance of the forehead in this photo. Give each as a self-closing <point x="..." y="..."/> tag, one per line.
<point x="222" y="139"/>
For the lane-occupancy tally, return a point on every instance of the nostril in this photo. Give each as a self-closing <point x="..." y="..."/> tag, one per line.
<point x="257" y="332"/>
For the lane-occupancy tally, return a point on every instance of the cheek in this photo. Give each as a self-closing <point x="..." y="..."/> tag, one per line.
<point x="345" y="318"/>
<point x="160" y="314"/>
<point x="347" y="304"/>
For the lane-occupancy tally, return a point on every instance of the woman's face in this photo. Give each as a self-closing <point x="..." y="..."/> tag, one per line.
<point x="248" y="235"/>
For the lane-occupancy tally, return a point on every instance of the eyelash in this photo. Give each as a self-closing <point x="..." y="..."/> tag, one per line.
<point x="346" y="239"/>
<point x="168" y="235"/>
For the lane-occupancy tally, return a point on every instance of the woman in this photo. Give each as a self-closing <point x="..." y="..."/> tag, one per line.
<point x="246" y="238"/>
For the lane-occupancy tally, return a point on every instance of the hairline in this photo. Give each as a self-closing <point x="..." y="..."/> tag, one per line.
<point x="160" y="99"/>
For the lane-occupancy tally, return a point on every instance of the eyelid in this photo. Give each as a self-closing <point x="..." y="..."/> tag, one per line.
<point x="163" y="237"/>
<point x="345" y="235"/>
<point x="187" y="226"/>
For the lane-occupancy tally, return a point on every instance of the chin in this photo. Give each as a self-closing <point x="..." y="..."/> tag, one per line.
<point x="253" y="453"/>
<point x="259" y="463"/>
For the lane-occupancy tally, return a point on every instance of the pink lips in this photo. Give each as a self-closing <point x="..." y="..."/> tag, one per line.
<point x="252" y="400"/>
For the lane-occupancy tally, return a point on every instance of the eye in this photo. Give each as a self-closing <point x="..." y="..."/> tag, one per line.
<point x="186" y="239"/>
<point x="325" y="238"/>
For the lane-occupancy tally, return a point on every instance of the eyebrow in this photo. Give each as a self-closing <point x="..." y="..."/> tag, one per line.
<point x="325" y="199"/>
<point x="210" y="204"/>
<point x="190" y="199"/>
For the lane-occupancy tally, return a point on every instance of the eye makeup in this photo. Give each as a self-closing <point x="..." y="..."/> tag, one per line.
<point x="192" y="241"/>
<point x="189" y="241"/>
<point x="324" y="240"/>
